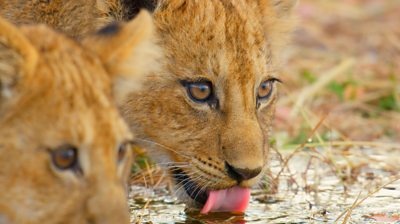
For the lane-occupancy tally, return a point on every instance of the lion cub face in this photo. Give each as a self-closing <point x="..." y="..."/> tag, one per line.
<point x="64" y="155"/>
<point x="209" y="113"/>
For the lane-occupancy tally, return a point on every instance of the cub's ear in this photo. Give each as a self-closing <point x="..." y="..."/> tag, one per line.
<point x="277" y="8"/>
<point x="134" y="7"/>
<point x="279" y="22"/>
<point x="283" y="7"/>
<point x="124" y="9"/>
<point x="18" y="58"/>
<point x="128" y="51"/>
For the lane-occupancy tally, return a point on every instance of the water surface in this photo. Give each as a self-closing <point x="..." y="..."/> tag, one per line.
<point x="319" y="195"/>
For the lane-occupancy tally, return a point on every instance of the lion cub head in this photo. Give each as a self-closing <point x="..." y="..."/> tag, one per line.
<point x="64" y="155"/>
<point x="208" y="114"/>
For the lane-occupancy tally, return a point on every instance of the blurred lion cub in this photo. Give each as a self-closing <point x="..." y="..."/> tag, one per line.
<point x="64" y="154"/>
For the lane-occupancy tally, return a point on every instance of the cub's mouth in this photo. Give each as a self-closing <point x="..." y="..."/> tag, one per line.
<point x="234" y="199"/>
<point x="191" y="188"/>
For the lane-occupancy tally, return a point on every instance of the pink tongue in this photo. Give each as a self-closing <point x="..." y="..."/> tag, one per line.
<point x="234" y="199"/>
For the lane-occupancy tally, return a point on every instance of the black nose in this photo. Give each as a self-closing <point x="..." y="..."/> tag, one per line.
<point x="241" y="174"/>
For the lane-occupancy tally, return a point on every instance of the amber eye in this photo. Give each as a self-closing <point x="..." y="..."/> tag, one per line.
<point x="199" y="91"/>
<point x="123" y="150"/>
<point x="265" y="89"/>
<point x="65" y="157"/>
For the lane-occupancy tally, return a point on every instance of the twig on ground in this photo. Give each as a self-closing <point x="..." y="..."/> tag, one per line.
<point x="358" y="202"/>
<point x="286" y="161"/>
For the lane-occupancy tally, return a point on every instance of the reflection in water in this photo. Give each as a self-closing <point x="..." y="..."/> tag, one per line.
<point x="215" y="218"/>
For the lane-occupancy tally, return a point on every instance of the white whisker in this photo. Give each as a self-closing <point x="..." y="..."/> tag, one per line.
<point x="163" y="146"/>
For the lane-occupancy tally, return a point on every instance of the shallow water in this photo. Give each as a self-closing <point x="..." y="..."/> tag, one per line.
<point x="317" y="196"/>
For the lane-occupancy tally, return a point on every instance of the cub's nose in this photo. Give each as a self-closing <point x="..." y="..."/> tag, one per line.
<point x="241" y="174"/>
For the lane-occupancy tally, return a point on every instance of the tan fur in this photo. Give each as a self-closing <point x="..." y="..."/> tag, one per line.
<point x="236" y="44"/>
<point x="55" y="91"/>
<point x="77" y="18"/>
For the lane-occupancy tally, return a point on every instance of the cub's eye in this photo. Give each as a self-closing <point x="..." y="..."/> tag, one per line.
<point x="199" y="91"/>
<point x="266" y="88"/>
<point x="123" y="150"/>
<point x="65" y="157"/>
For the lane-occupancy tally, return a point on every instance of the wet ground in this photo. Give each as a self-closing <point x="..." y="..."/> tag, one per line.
<point x="309" y="190"/>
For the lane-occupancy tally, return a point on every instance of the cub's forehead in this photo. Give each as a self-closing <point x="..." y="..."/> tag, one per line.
<point x="46" y="38"/>
<point x="216" y="38"/>
<point x="68" y="69"/>
<point x="56" y="47"/>
<point x="216" y="23"/>
<point x="90" y="130"/>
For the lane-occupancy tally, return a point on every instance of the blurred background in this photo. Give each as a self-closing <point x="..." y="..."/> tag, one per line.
<point x="345" y="65"/>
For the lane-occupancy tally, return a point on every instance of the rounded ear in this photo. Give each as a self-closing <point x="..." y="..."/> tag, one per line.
<point x="278" y="23"/>
<point x="128" y="51"/>
<point x="283" y="7"/>
<point x="123" y="10"/>
<point x="134" y="7"/>
<point x="18" y="58"/>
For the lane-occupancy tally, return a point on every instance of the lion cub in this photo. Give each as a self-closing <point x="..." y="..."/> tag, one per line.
<point x="64" y="154"/>
<point x="210" y="112"/>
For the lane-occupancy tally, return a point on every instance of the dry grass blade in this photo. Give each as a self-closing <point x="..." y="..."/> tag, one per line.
<point x="284" y="165"/>
<point x="348" y="213"/>
<point x="350" y="143"/>
<point x="358" y="202"/>
<point x="309" y="92"/>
